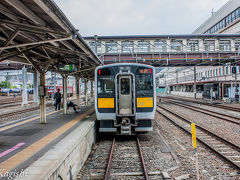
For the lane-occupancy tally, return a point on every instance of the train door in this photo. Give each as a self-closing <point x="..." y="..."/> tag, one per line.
<point x="125" y="95"/>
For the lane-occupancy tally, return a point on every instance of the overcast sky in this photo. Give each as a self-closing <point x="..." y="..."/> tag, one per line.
<point x="137" y="17"/>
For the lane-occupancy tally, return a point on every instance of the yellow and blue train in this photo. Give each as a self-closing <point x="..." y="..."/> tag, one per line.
<point x="125" y="98"/>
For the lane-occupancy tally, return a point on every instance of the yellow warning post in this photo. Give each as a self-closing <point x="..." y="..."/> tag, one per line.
<point x="194" y="143"/>
<point x="194" y="139"/>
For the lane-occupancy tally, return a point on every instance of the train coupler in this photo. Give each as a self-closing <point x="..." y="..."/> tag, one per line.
<point x="126" y="126"/>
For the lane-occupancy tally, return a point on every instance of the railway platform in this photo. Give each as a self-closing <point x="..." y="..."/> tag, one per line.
<point x="26" y="143"/>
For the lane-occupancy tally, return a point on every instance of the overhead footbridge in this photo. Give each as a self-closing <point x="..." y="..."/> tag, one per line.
<point x="37" y="33"/>
<point x="168" y="50"/>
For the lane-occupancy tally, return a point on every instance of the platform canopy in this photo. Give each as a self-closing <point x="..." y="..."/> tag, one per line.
<point x="37" y="33"/>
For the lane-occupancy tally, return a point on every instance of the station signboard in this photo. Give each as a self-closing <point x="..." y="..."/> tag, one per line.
<point x="67" y="67"/>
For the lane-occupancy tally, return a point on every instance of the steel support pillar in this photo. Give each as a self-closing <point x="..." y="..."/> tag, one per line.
<point x="236" y="88"/>
<point x="86" y="89"/>
<point x="24" y="86"/>
<point x="195" y="84"/>
<point x="77" y="78"/>
<point x="64" y="94"/>
<point x="35" y="86"/>
<point x="42" y="98"/>
<point x="92" y="92"/>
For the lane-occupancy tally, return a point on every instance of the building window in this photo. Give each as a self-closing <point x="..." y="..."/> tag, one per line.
<point x="220" y="70"/>
<point x="224" y="22"/>
<point x="92" y="46"/>
<point x="176" y="45"/>
<point x="209" y="45"/>
<point x="192" y="45"/>
<point x="127" y="46"/>
<point x="143" y="46"/>
<point x="226" y="70"/>
<point x="237" y="45"/>
<point x="111" y="47"/>
<point x="224" y="45"/>
<point x="160" y="46"/>
<point x="223" y="71"/>
<point x="216" y="72"/>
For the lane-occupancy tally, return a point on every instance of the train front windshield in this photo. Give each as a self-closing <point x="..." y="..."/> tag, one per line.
<point x="105" y="83"/>
<point x="144" y="82"/>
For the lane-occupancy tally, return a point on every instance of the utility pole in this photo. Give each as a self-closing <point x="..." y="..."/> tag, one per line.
<point x="95" y="44"/>
<point x="234" y="71"/>
<point x="177" y="75"/>
<point x="195" y="85"/>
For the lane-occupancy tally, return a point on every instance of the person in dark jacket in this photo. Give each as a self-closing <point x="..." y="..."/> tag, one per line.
<point x="71" y="104"/>
<point x="57" y="97"/>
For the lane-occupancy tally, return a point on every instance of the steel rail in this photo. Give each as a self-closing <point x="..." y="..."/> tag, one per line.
<point x="110" y="160"/>
<point x="194" y="108"/>
<point x="142" y="160"/>
<point x="205" y="103"/>
<point x="107" y="174"/>
<point x="18" y="112"/>
<point x="234" y="165"/>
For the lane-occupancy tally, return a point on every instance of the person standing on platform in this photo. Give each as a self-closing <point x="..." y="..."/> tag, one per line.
<point x="57" y="97"/>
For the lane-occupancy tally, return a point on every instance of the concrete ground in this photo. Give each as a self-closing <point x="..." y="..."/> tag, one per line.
<point x="23" y="142"/>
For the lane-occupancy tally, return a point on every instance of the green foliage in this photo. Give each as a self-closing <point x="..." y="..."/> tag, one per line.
<point x="5" y="84"/>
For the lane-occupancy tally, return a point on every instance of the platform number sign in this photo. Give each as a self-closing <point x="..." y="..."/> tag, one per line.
<point x="194" y="139"/>
<point x="67" y="67"/>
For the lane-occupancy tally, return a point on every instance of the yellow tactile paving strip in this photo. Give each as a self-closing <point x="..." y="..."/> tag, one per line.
<point x="24" y="121"/>
<point x="26" y="153"/>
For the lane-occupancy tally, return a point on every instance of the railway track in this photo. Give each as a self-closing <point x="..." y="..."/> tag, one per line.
<point x="10" y="102"/>
<point x="5" y="115"/>
<point x="207" y="111"/>
<point x="226" y="150"/>
<point x="130" y="161"/>
<point x="235" y="109"/>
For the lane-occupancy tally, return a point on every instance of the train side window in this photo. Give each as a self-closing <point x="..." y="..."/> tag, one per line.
<point x="125" y="86"/>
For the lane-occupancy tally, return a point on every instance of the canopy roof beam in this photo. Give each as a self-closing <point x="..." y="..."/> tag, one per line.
<point x="35" y="43"/>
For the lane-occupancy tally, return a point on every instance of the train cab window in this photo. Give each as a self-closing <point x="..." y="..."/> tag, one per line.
<point x="105" y="82"/>
<point x="106" y="85"/>
<point x="125" y="86"/>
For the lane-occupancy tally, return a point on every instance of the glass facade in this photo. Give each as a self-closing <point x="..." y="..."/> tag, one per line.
<point x="143" y="46"/>
<point x="224" y="22"/>
<point x="92" y="46"/>
<point x="209" y="45"/>
<point x="224" y="45"/>
<point x="160" y="46"/>
<point x="237" y="45"/>
<point x="111" y="47"/>
<point x="192" y="45"/>
<point x="127" y="47"/>
<point x="176" y="45"/>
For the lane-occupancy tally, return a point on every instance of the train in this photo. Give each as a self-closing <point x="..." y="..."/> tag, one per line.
<point x="14" y="91"/>
<point x="125" y="98"/>
<point x="51" y="90"/>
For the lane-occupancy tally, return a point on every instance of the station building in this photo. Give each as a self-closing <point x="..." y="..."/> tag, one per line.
<point x="180" y="81"/>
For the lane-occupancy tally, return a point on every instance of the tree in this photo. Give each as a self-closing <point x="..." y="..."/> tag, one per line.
<point x="5" y="84"/>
